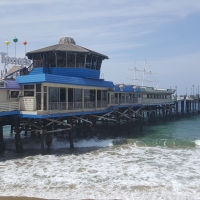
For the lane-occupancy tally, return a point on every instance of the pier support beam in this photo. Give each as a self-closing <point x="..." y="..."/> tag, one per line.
<point x="182" y="107"/>
<point x="198" y="104"/>
<point x="18" y="144"/>
<point x="141" y="113"/>
<point x="48" y="140"/>
<point x="2" y="147"/>
<point x="42" y="142"/>
<point x="71" y="134"/>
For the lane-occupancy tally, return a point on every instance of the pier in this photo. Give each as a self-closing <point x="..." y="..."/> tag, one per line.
<point x="62" y="92"/>
<point x="109" y="122"/>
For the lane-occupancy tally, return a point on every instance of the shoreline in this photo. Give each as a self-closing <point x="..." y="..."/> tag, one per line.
<point x="19" y="198"/>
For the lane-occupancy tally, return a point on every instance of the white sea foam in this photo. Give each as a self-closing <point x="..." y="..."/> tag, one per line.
<point x="29" y="143"/>
<point x="95" y="142"/>
<point x="120" y="171"/>
<point x="197" y="143"/>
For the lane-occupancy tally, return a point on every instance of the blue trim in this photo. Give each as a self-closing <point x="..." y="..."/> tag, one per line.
<point x="64" y="114"/>
<point x="78" y="113"/>
<point x="125" y="106"/>
<point x="16" y="112"/>
<point x="62" y="71"/>
<point x="49" y="78"/>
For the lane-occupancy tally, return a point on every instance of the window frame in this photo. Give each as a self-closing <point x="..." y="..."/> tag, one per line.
<point x="10" y="97"/>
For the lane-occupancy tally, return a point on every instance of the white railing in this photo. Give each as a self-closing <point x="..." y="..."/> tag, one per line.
<point x="101" y="104"/>
<point x="123" y="101"/>
<point x="57" y="105"/>
<point x="7" y="107"/>
<point x="89" y="105"/>
<point x="156" y="101"/>
<point x="76" y="105"/>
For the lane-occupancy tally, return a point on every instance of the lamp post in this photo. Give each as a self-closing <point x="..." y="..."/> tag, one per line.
<point x="176" y="101"/>
<point x="15" y="40"/>
<point x="193" y="99"/>
<point x="193" y="90"/>
<point x="7" y="43"/>
<point x="176" y="92"/>
<point x="25" y="43"/>
<point x="198" y="100"/>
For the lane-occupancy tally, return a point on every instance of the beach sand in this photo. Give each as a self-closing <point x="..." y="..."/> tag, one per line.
<point x="19" y="198"/>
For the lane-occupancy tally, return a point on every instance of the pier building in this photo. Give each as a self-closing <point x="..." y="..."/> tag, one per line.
<point x="62" y="91"/>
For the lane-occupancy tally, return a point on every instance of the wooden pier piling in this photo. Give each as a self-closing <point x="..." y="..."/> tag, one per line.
<point x="2" y="146"/>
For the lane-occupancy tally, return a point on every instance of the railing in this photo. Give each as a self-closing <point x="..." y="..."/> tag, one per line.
<point x="57" y="105"/>
<point x="89" y="105"/>
<point x="123" y="101"/>
<point x="101" y="104"/>
<point x="30" y="68"/>
<point x="76" y="105"/>
<point x="7" y="107"/>
<point x="43" y="63"/>
<point x="156" y="101"/>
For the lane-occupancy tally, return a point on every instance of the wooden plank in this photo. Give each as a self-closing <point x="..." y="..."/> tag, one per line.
<point x="104" y="118"/>
<point x="59" y="122"/>
<point x="83" y="119"/>
<point x="52" y="122"/>
<point x="124" y="115"/>
<point x="58" y="130"/>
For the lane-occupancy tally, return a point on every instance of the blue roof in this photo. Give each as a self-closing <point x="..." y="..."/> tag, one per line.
<point x="49" y="78"/>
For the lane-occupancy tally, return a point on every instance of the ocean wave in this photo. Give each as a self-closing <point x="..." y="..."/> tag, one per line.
<point x="197" y="143"/>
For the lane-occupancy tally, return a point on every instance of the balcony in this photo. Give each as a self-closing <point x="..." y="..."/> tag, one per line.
<point x="9" y="107"/>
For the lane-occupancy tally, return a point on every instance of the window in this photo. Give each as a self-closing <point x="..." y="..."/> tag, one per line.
<point x="29" y="87"/>
<point x="14" y="94"/>
<point x="2" y="84"/>
<point x="28" y="90"/>
<point x="45" y="88"/>
<point x="45" y="98"/>
<point x="38" y="87"/>
<point x="28" y="93"/>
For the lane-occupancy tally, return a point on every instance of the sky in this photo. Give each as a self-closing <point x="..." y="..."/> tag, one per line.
<point x="152" y="35"/>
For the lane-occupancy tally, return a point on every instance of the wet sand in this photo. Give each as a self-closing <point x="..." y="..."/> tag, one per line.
<point x="20" y="198"/>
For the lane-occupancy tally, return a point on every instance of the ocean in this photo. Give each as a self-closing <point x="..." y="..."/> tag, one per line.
<point x="161" y="163"/>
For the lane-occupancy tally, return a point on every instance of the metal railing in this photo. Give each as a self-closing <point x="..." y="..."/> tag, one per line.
<point x="89" y="105"/>
<point x="57" y="105"/>
<point x="156" y="101"/>
<point x="76" y="105"/>
<point x="101" y="104"/>
<point x="124" y="101"/>
<point x="7" y="107"/>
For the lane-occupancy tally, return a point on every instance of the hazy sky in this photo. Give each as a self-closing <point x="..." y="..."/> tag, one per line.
<point x="165" y="33"/>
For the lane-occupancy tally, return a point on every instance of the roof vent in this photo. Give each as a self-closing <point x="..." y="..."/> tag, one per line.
<point x="67" y="40"/>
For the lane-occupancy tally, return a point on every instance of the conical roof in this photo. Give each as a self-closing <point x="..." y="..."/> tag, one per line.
<point x="66" y="44"/>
